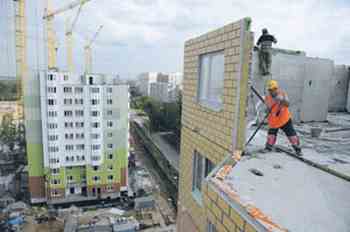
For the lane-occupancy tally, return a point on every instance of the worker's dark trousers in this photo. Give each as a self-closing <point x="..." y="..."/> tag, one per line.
<point x="265" y="61"/>
<point x="289" y="130"/>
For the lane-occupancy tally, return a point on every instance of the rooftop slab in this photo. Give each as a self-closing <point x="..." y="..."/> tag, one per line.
<point x="283" y="193"/>
<point x="294" y="195"/>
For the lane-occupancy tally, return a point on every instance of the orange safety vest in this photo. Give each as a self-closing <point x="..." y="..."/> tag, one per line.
<point x="275" y="119"/>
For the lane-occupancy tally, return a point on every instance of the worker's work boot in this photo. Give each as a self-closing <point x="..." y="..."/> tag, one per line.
<point x="268" y="148"/>
<point x="297" y="150"/>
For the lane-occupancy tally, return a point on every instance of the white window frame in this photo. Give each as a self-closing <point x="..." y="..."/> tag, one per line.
<point x="205" y="86"/>
<point x="200" y="170"/>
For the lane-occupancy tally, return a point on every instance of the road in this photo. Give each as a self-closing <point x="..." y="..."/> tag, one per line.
<point x="170" y="153"/>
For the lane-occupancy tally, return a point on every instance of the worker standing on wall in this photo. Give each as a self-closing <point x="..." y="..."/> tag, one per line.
<point x="265" y="41"/>
<point x="279" y="118"/>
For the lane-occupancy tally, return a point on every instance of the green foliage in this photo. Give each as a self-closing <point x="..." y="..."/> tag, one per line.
<point x="162" y="116"/>
<point x="11" y="133"/>
<point x="8" y="91"/>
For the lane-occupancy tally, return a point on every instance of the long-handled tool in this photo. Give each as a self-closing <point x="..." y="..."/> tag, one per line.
<point x="262" y="122"/>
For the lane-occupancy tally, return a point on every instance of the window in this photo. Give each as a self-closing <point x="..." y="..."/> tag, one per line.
<point x="65" y="77"/>
<point x="55" y="171"/>
<point x="51" y="89"/>
<point x="201" y="168"/>
<point x="96" y="178"/>
<point x="51" y="77"/>
<point x="95" y="101"/>
<point x="79" y="113"/>
<point x="95" y="136"/>
<point x="110" y="167"/>
<point x="109" y="124"/>
<point x="110" y="177"/>
<point x="95" y="158"/>
<point x="69" y="178"/>
<point x="208" y="167"/>
<point x="54" y="193"/>
<point x="109" y="101"/>
<point x="80" y="147"/>
<point x="78" y="90"/>
<point x="69" y="136"/>
<point x="95" y="147"/>
<point x="79" y="136"/>
<point x="52" y="114"/>
<point x="68" y="124"/>
<point x="69" y="147"/>
<point x="68" y="113"/>
<point x="95" y="113"/>
<point x="109" y="188"/>
<point x="79" y="124"/>
<point x="51" y="102"/>
<point x="211" y="227"/>
<point x="55" y="181"/>
<point x="67" y="89"/>
<point x="95" y="90"/>
<point x="110" y="156"/>
<point x="91" y="80"/>
<point x="110" y="145"/>
<point x="79" y="101"/>
<point x="53" y="149"/>
<point x="53" y="137"/>
<point x="96" y="168"/>
<point x="68" y="101"/>
<point x="109" y="90"/>
<point x="54" y="161"/>
<point x="109" y="112"/>
<point x="52" y="125"/>
<point x="95" y="124"/>
<point x="109" y="134"/>
<point x="211" y="80"/>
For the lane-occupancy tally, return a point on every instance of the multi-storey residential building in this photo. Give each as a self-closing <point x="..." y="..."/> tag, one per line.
<point x="77" y="137"/>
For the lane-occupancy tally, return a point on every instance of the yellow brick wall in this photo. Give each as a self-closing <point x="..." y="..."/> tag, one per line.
<point x="221" y="214"/>
<point x="214" y="134"/>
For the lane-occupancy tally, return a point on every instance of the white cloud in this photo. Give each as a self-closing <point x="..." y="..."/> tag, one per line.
<point x="150" y="34"/>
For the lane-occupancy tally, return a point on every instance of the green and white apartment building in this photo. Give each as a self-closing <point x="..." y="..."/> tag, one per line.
<point x="77" y="134"/>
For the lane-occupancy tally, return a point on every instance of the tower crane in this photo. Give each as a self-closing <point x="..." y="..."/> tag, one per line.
<point x="69" y="39"/>
<point x="51" y="38"/>
<point x="87" y="51"/>
<point x="21" y="47"/>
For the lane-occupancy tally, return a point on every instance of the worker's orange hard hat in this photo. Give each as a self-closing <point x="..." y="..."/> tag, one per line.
<point x="272" y="85"/>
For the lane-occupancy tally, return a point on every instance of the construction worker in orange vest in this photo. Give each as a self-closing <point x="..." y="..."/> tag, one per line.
<point x="279" y="117"/>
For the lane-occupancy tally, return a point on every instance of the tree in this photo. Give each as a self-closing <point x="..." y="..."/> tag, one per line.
<point x="8" y="131"/>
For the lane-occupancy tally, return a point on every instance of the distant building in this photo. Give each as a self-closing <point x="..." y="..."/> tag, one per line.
<point x="166" y="88"/>
<point x="77" y="137"/>
<point x="144" y="82"/>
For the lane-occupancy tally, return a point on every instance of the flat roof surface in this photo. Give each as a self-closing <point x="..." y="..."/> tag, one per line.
<point x="295" y="195"/>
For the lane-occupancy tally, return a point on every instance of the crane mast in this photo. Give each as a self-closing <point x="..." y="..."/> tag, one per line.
<point x="21" y="46"/>
<point x="51" y="37"/>
<point x="88" y="53"/>
<point x="69" y="39"/>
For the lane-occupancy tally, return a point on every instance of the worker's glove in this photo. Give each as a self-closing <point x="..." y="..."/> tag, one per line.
<point x="279" y="98"/>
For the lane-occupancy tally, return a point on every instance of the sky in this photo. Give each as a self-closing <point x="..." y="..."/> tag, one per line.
<point x="149" y="35"/>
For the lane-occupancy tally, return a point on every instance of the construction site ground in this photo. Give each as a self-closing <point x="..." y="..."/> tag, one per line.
<point x="162" y="218"/>
<point x="164" y="203"/>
